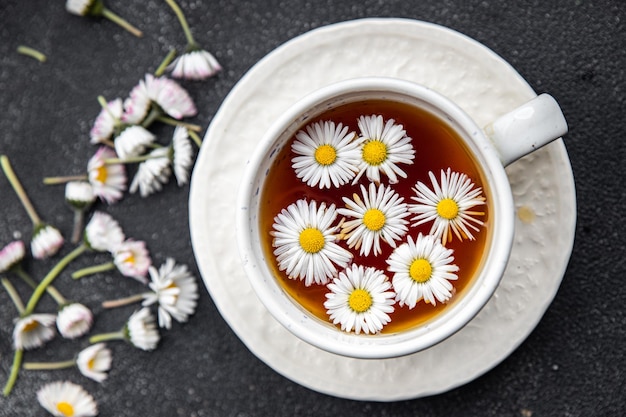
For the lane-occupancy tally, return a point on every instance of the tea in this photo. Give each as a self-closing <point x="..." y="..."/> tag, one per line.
<point x="437" y="148"/>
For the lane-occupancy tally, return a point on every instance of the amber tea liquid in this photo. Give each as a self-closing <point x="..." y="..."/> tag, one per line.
<point x="437" y="147"/>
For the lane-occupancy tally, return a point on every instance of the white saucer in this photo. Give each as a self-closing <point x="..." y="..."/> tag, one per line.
<point x="481" y="83"/>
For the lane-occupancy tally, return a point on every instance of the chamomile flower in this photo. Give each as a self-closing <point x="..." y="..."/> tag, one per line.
<point x="181" y="155"/>
<point x="360" y="299"/>
<point x="175" y="291"/>
<point x="46" y="241"/>
<point x="304" y="238"/>
<point x="152" y="173"/>
<point x="33" y="331"/>
<point x="133" y="141"/>
<point x="94" y="362"/>
<point x="64" y="398"/>
<point x="422" y="270"/>
<point x="448" y="205"/>
<point x="384" y="145"/>
<point x="74" y="320"/>
<point x="141" y="330"/>
<point x="103" y="233"/>
<point x="11" y="255"/>
<point x="327" y="153"/>
<point x="107" y="121"/>
<point x="378" y="216"/>
<point x="108" y="180"/>
<point x="132" y="259"/>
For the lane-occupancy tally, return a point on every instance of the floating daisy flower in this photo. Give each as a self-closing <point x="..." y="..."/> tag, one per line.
<point x="378" y="216"/>
<point x="327" y="154"/>
<point x="107" y="121"/>
<point x="108" y="179"/>
<point x="448" y="205"/>
<point x="360" y="299"/>
<point x="96" y="8"/>
<point x="132" y="142"/>
<point x="140" y="330"/>
<point x="11" y="255"/>
<point x="46" y="242"/>
<point x="132" y="259"/>
<point x="422" y="270"/>
<point x="95" y="361"/>
<point x="74" y="320"/>
<point x="103" y="233"/>
<point x="33" y="331"/>
<point x="152" y="173"/>
<point x="64" y="399"/>
<point x="175" y="291"/>
<point x="304" y="238"/>
<point x="181" y="155"/>
<point x="383" y="146"/>
<point x="195" y="63"/>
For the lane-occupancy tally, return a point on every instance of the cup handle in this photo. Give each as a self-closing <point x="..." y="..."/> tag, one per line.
<point x="527" y="128"/>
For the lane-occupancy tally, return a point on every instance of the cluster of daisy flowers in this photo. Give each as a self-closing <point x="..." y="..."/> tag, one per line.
<point x="317" y="241"/>
<point x="121" y="132"/>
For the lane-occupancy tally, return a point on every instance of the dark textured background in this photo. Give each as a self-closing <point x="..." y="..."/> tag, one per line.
<point x="571" y="365"/>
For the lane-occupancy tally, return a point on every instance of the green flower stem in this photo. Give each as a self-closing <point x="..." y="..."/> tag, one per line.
<point x="182" y="20"/>
<point x="15" y="369"/>
<point x="63" y="180"/>
<point x="121" y="22"/>
<point x="153" y="114"/>
<point x="104" y="337"/>
<point x="90" y="270"/>
<point x="77" y="227"/>
<point x="54" y="272"/>
<point x="174" y="122"/>
<point x="166" y="61"/>
<point x="53" y="292"/>
<point x="15" y="297"/>
<point x="132" y="159"/>
<point x="46" y="366"/>
<point x="123" y="301"/>
<point x="19" y="190"/>
<point x="195" y="138"/>
<point x="33" y="53"/>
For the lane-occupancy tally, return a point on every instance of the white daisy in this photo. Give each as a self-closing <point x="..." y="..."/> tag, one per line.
<point x="175" y="291"/>
<point x="108" y="180"/>
<point x="132" y="259"/>
<point x="103" y="233"/>
<point x="327" y="154"/>
<point x="141" y="330"/>
<point x="133" y="141"/>
<point x="137" y="105"/>
<point x="79" y="194"/>
<point x="181" y="155"/>
<point x="74" y="320"/>
<point x="448" y="205"/>
<point x="378" y="216"/>
<point x="107" y="120"/>
<point x="46" y="241"/>
<point x="33" y="331"/>
<point x="360" y="299"/>
<point x="78" y="7"/>
<point x="383" y="146"/>
<point x="195" y="64"/>
<point x="304" y="238"/>
<point x="64" y="399"/>
<point x="152" y="173"/>
<point x="422" y="270"/>
<point x="94" y="362"/>
<point x="11" y="255"/>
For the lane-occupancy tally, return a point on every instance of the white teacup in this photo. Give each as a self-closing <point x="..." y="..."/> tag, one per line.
<point x="507" y="139"/>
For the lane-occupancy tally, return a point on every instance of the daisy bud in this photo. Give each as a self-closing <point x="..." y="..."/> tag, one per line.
<point x="96" y="8"/>
<point x="141" y="330"/>
<point x="79" y="194"/>
<point x="46" y="242"/>
<point x="94" y="362"/>
<point x="132" y="142"/>
<point x="11" y="255"/>
<point x="152" y="173"/>
<point x="74" y="320"/>
<point x="132" y="259"/>
<point x="195" y="64"/>
<point x="33" y="331"/>
<point x="64" y="398"/>
<point x="103" y="233"/>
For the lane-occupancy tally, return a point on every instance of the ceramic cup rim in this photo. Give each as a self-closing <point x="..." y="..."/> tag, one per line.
<point x="324" y="335"/>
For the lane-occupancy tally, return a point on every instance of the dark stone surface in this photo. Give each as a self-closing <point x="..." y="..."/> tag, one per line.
<point x="573" y="364"/>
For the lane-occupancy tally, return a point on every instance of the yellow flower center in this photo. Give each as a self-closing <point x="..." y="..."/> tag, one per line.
<point x="65" y="408"/>
<point x="374" y="152"/>
<point x="101" y="174"/>
<point x="91" y="363"/>
<point x="325" y="155"/>
<point x="31" y="326"/>
<point x="374" y="219"/>
<point x="447" y="208"/>
<point x="360" y="300"/>
<point x="130" y="259"/>
<point x="420" y="270"/>
<point x="312" y="240"/>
